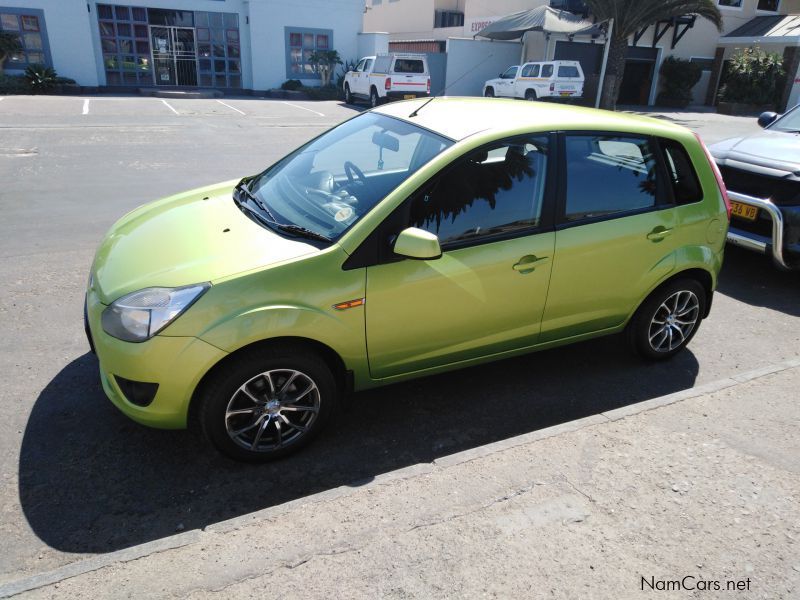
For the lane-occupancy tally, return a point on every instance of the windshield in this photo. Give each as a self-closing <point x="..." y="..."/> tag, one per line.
<point x="788" y="122"/>
<point x="327" y="185"/>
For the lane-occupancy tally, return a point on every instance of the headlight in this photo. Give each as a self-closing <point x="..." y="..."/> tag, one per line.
<point x="139" y="316"/>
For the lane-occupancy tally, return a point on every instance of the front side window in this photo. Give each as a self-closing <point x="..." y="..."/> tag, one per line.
<point x="510" y="73"/>
<point x="607" y="175"/>
<point x="327" y="185"/>
<point x="498" y="189"/>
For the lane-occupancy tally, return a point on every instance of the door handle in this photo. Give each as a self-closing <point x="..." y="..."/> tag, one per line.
<point x="528" y="263"/>
<point x="658" y="234"/>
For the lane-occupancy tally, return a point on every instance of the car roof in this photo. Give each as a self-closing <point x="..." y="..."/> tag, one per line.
<point x="460" y="117"/>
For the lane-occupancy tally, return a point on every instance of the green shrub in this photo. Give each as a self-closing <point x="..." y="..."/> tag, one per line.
<point x="14" y="84"/>
<point x="348" y="65"/>
<point x="41" y="78"/>
<point x="292" y="85"/>
<point x="754" y="76"/>
<point x="678" y="77"/>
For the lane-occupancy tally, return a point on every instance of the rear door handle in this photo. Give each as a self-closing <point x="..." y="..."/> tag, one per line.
<point x="658" y="234"/>
<point x="528" y="263"/>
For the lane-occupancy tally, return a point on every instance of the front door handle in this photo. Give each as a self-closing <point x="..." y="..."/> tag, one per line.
<point x="658" y="234"/>
<point x="528" y="263"/>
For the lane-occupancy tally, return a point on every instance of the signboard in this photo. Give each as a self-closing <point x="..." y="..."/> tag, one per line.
<point x="473" y="26"/>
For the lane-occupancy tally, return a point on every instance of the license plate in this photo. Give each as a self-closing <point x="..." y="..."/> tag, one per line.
<point x="744" y="211"/>
<point x="566" y="93"/>
<point x="408" y="96"/>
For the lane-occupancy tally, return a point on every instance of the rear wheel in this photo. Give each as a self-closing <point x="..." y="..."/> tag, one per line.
<point x="268" y="403"/>
<point x="668" y="319"/>
<point x="489" y="92"/>
<point x="530" y="95"/>
<point x="348" y="96"/>
<point x="374" y="100"/>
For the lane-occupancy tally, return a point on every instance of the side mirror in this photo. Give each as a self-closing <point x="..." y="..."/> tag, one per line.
<point x="767" y="118"/>
<point x="417" y="244"/>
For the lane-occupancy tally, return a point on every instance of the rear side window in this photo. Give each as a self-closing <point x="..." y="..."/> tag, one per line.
<point x="607" y="175"/>
<point x="530" y="71"/>
<point x="685" y="184"/>
<point x="568" y="72"/>
<point x="408" y="65"/>
<point x="495" y="190"/>
<point x="547" y="70"/>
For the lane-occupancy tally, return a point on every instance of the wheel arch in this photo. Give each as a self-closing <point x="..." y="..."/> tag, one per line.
<point x="702" y="276"/>
<point x="343" y="376"/>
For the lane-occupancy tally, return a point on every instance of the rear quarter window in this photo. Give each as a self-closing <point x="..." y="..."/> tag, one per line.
<point x="408" y="65"/>
<point x="568" y="72"/>
<point x="683" y="178"/>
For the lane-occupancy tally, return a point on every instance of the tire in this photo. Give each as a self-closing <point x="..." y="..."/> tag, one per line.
<point x="249" y="420"/>
<point x="489" y="92"/>
<point x="348" y="96"/>
<point x="667" y="320"/>
<point x="374" y="99"/>
<point x="531" y="95"/>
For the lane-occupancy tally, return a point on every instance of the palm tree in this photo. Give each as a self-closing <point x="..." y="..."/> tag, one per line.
<point x="631" y="16"/>
<point x="9" y="44"/>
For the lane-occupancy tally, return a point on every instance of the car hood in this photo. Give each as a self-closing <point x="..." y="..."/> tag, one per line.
<point x="190" y="238"/>
<point x="766" y="150"/>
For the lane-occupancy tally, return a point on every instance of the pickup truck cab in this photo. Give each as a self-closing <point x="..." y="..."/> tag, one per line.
<point x="388" y="76"/>
<point x="534" y="80"/>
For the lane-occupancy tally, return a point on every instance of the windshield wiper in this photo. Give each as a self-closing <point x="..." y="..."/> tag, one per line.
<point x="302" y="231"/>
<point x="242" y="188"/>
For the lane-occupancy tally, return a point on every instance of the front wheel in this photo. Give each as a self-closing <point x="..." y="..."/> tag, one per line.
<point x="489" y="92"/>
<point x="667" y="320"/>
<point x="268" y="403"/>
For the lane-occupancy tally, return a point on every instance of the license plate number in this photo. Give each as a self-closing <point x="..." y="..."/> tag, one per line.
<point x="566" y="93"/>
<point x="744" y="211"/>
<point x="408" y="96"/>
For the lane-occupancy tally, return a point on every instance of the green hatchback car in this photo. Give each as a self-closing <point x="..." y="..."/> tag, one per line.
<point x="416" y="238"/>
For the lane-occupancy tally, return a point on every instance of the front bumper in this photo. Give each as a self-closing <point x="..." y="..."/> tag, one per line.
<point x="176" y="364"/>
<point x="782" y="242"/>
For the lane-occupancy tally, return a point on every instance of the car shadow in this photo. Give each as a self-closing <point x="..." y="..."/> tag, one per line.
<point x="752" y="278"/>
<point x="91" y="481"/>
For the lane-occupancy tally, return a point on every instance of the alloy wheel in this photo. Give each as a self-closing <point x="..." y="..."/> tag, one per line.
<point x="272" y="410"/>
<point x="674" y="321"/>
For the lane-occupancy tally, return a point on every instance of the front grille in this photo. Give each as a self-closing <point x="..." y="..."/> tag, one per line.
<point x="780" y="191"/>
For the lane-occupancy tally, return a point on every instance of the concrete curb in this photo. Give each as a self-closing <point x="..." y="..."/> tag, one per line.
<point x="190" y="537"/>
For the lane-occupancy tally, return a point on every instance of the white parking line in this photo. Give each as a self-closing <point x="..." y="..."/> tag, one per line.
<point x="167" y="104"/>
<point x="304" y="108"/>
<point x="231" y="107"/>
<point x="85" y="107"/>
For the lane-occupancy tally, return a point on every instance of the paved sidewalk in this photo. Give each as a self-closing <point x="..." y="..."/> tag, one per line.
<point x="701" y="487"/>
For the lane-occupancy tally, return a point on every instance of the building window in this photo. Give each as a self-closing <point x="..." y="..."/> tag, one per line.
<point x="730" y="3"/>
<point x="448" y="18"/>
<point x="125" y="41"/>
<point x="28" y="26"/>
<point x="769" y="5"/>
<point x="218" y="49"/>
<point x="300" y="45"/>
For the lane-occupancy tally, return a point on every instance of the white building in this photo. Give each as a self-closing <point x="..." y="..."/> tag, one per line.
<point x="223" y="44"/>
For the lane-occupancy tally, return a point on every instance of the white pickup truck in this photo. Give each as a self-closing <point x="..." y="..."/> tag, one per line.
<point x="378" y="78"/>
<point x="533" y="80"/>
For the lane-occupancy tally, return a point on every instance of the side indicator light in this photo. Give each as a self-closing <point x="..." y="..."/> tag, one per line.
<point x="350" y="304"/>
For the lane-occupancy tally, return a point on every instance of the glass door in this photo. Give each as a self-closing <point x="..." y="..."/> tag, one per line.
<point x="174" y="55"/>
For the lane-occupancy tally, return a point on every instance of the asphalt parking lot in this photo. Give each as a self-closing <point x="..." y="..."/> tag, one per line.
<point x="78" y="478"/>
